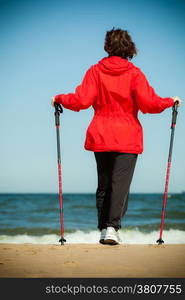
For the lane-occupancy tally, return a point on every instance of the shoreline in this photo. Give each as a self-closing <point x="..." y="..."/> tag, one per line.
<point x="92" y="260"/>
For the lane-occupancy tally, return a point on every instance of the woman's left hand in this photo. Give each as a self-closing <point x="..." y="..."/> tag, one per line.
<point x="53" y="101"/>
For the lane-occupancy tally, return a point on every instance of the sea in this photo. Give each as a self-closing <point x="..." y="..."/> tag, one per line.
<point x="35" y="218"/>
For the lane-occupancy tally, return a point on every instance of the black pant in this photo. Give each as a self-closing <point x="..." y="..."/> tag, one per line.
<point x="115" y="171"/>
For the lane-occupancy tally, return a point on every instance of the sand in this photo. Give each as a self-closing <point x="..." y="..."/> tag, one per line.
<point x="91" y="260"/>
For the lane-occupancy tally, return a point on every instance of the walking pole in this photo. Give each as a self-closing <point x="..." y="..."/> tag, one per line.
<point x="174" y="117"/>
<point x="58" y="111"/>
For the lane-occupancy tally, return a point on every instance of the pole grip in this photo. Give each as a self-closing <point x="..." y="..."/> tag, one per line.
<point x="58" y="111"/>
<point x="174" y="114"/>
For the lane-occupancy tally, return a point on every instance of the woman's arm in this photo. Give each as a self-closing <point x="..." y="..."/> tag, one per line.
<point x="147" y="100"/>
<point x="84" y="95"/>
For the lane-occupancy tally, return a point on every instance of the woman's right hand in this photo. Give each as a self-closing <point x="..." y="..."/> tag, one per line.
<point x="178" y="100"/>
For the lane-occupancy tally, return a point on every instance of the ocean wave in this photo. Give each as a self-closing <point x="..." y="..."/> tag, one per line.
<point x="172" y="236"/>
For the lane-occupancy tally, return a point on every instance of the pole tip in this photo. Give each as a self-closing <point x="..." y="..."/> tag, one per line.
<point x="160" y="241"/>
<point x="62" y="241"/>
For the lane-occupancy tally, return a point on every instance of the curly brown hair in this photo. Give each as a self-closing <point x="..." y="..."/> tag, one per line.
<point x="119" y="43"/>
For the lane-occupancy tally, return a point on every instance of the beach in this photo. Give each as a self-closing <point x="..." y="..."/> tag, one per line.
<point x="29" y="234"/>
<point x="91" y="261"/>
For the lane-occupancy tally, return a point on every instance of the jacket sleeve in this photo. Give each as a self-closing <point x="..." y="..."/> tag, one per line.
<point x="84" y="95"/>
<point x="146" y="98"/>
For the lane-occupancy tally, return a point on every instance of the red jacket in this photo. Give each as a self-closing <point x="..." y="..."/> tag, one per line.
<point x="117" y="90"/>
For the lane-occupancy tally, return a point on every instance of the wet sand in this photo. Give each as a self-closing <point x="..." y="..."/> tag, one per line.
<point x="91" y="260"/>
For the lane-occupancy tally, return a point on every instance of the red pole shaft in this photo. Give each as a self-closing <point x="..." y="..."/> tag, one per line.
<point x="58" y="110"/>
<point x="60" y="199"/>
<point x="174" y="116"/>
<point x="165" y="199"/>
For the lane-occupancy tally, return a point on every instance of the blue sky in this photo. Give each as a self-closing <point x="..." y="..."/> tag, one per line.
<point x="46" y="48"/>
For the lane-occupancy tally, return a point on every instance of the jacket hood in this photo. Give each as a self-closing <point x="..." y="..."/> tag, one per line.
<point x="114" y="65"/>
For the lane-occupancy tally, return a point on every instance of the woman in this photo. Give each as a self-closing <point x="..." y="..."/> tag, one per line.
<point x="117" y="90"/>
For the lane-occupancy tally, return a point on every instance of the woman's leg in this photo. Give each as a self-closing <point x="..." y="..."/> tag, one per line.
<point x="122" y="173"/>
<point x="104" y="171"/>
